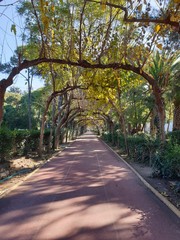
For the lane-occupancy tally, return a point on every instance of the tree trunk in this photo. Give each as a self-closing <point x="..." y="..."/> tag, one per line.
<point x="2" y="93"/>
<point x="57" y="135"/>
<point x="51" y="138"/>
<point x="162" y="116"/>
<point x="161" y="112"/>
<point x="4" y="84"/>
<point x="176" y="117"/>
<point x="123" y="125"/>
<point x="41" y="134"/>
<point x="43" y="125"/>
<point x="152" y="120"/>
<point x="57" y="131"/>
<point x="29" y="100"/>
<point x="67" y="133"/>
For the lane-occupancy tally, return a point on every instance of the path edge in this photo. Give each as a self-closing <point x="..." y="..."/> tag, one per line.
<point x="152" y="189"/>
<point x="34" y="171"/>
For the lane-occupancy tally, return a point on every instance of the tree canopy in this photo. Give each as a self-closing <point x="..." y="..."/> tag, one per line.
<point x="110" y="60"/>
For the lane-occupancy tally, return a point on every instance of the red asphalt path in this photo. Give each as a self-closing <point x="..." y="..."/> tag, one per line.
<point x="84" y="193"/>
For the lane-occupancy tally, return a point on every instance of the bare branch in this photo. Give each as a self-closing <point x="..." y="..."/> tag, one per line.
<point x="8" y="5"/>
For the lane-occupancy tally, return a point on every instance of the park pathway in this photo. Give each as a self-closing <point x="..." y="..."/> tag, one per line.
<point x="85" y="193"/>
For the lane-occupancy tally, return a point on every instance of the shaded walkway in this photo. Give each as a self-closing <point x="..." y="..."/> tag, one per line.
<point x="85" y="194"/>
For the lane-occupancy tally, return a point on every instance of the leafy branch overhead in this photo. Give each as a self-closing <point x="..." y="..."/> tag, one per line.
<point x="91" y="35"/>
<point x="141" y="12"/>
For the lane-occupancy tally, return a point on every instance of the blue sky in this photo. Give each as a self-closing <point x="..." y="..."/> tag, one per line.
<point x="9" y="41"/>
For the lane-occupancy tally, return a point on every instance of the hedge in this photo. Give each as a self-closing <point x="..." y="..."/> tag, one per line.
<point x="145" y="149"/>
<point x="19" y="142"/>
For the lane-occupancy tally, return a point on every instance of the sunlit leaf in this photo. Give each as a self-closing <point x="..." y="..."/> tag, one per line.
<point x="159" y="46"/>
<point x="139" y="8"/>
<point x="103" y="4"/>
<point x="157" y="28"/>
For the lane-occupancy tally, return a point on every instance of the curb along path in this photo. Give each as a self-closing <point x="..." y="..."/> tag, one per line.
<point x="148" y="185"/>
<point x="84" y="193"/>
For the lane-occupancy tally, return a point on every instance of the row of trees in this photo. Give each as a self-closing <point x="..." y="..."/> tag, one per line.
<point x="105" y="63"/>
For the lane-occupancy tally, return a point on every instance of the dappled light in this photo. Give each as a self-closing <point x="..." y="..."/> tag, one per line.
<point x="82" y="194"/>
<point x="110" y="74"/>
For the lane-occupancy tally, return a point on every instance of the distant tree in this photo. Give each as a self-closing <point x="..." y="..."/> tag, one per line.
<point x="14" y="89"/>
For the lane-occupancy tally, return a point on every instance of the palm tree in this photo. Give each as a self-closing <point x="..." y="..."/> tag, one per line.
<point x="175" y="84"/>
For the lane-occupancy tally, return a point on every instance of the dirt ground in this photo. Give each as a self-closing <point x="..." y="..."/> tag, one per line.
<point x="20" y="168"/>
<point x="163" y="186"/>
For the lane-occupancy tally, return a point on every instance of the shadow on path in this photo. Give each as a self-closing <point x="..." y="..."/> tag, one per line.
<point x="84" y="193"/>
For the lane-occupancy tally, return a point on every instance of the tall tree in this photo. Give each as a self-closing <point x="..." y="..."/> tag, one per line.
<point x="83" y="35"/>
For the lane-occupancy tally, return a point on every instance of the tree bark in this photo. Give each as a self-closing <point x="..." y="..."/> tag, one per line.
<point x="29" y="81"/>
<point x="51" y="137"/>
<point x="176" y="117"/>
<point x="43" y="125"/>
<point x="161" y="111"/>
<point x="2" y="93"/>
<point x="152" y="125"/>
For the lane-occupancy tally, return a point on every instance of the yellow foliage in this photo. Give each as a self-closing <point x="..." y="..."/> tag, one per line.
<point x="159" y="46"/>
<point x="157" y="28"/>
<point x="174" y="18"/>
<point x="176" y="1"/>
<point x="42" y="6"/>
<point x="103" y="4"/>
<point x="45" y="21"/>
<point x="53" y="8"/>
<point x="139" y="8"/>
<point x="52" y="34"/>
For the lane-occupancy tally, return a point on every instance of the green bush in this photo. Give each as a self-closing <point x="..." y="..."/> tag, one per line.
<point x="143" y="148"/>
<point x="19" y="142"/>
<point x="107" y="137"/>
<point x="146" y="149"/>
<point x="6" y="143"/>
<point x="31" y="141"/>
<point x="174" y="136"/>
<point x="167" y="164"/>
<point x="20" y="137"/>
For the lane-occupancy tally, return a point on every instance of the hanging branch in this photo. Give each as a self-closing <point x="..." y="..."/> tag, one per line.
<point x="80" y="32"/>
<point x="166" y="21"/>
<point x="42" y="52"/>
<point x="107" y="33"/>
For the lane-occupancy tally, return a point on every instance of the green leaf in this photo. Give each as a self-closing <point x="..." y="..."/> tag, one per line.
<point x="13" y="28"/>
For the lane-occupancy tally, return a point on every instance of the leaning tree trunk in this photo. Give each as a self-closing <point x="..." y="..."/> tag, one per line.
<point x="4" y="84"/>
<point x="176" y="117"/>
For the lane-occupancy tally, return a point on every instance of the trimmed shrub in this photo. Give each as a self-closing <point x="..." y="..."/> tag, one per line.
<point x="6" y="143"/>
<point x="19" y="142"/>
<point x="20" y="137"/>
<point x="143" y="147"/>
<point x="32" y="141"/>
